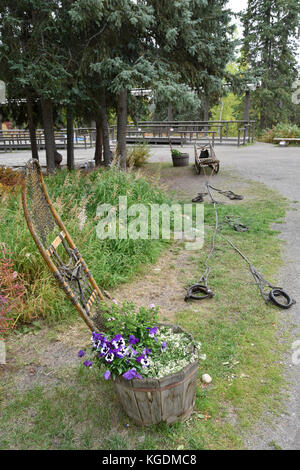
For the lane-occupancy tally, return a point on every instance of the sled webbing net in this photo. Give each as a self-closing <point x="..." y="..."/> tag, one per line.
<point x="58" y="249"/>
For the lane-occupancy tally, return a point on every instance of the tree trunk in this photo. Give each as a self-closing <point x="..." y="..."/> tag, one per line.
<point x="70" y="140"/>
<point x="47" y="113"/>
<point x="105" y="130"/>
<point x="206" y="112"/>
<point x="247" y="106"/>
<point x="122" y="128"/>
<point x="32" y="129"/>
<point x="99" y="142"/>
<point x="170" y="113"/>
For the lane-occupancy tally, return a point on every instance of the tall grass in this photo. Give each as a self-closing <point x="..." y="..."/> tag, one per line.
<point x="137" y="155"/>
<point x="76" y="196"/>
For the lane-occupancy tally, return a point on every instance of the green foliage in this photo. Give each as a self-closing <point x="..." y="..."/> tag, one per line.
<point x="129" y="320"/>
<point x="176" y="153"/>
<point x="128" y="334"/>
<point x="77" y="52"/>
<point x="137" y="155"/>
<point x="280" y="130"/>
<point x="270" y="47"/>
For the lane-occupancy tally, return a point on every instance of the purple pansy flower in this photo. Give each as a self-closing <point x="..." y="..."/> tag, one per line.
<point x="97" y="336"/>
<point x="147" y="351"/>
<point x="133" y="339"/>
<point x="131" y="374"/>
<point x="107" y="375"/>
<point x="143" y="360"/>
<point x="105" y="349"/>
<point x="120" y="352"/>
<point x="97" y="340"/>
<point x="152" y="331"/>
<point x="109" y="357"/>
<point x="163" y="346"/>
<point x="87" y="363"/>
<point x="81" y="353"/>
<point x="118" y="342"/>
<point x="130" y="352"/>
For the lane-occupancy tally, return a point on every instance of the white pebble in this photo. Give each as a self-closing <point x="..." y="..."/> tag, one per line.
<point x="206" y="378"/>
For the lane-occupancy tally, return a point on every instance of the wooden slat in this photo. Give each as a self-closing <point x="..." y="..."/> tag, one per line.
<point x="55" y="243"/>
<point x="91" y="299"/>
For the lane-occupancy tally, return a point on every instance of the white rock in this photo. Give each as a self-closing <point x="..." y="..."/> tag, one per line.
<point x="206" y="378"/>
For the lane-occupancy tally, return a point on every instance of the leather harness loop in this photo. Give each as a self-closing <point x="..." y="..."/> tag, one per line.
<point x="278" y="292"/>
<point x="195" y="291"/>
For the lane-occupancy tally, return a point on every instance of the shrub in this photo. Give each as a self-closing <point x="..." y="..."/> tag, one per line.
<point x="175" y="153"/>
<point x="10" y="178"/>
<point x="12" y="291"/>
<point x="137" y="155"/>
<point x="280" y="130"/>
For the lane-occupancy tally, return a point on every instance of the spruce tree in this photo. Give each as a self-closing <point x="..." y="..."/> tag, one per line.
<point x="269" y="45"/>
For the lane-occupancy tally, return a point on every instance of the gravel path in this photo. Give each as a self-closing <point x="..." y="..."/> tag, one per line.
<point x="278" y="168"/>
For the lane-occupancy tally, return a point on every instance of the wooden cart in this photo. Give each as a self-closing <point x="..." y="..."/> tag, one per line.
<point x="205" y="156"/>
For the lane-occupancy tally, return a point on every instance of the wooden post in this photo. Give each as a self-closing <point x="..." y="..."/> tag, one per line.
<point x="247" y="106"/>
<point x="70" y="140"/>
<point x="47" y="112"/>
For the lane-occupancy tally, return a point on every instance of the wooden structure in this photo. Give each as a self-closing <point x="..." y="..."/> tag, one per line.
<point x="205" y="157"/>
<point x="18" y="139"/>
<point x="150" y="132"/>
<point x="161" y="132"/>
<point x="58" y="249"/>
<point x="149" y="401"/>
<point x="287" y="140"/>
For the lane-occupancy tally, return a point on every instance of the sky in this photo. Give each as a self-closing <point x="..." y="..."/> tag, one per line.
<point x="237" y="6"/>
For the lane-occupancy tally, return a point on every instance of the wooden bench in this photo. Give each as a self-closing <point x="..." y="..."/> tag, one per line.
<point x="286" y="140"/>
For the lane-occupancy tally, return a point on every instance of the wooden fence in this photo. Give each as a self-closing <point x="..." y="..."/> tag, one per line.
<point x="158" y="132"/>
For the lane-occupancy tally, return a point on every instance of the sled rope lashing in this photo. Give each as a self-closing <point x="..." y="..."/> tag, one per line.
<point x="58" y="249"/>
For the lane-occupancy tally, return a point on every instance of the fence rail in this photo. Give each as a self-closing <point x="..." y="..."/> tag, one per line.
<point x="152" y="132"/>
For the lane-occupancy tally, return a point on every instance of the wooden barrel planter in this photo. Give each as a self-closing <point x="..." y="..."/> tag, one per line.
<point x="180" y="160"/>
<point x="150" y="401"/>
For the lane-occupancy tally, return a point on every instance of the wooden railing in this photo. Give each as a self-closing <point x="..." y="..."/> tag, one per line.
<point x="221" y="132"/>
<point x="17" y="139"/>
<point x="158" y="132"/>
